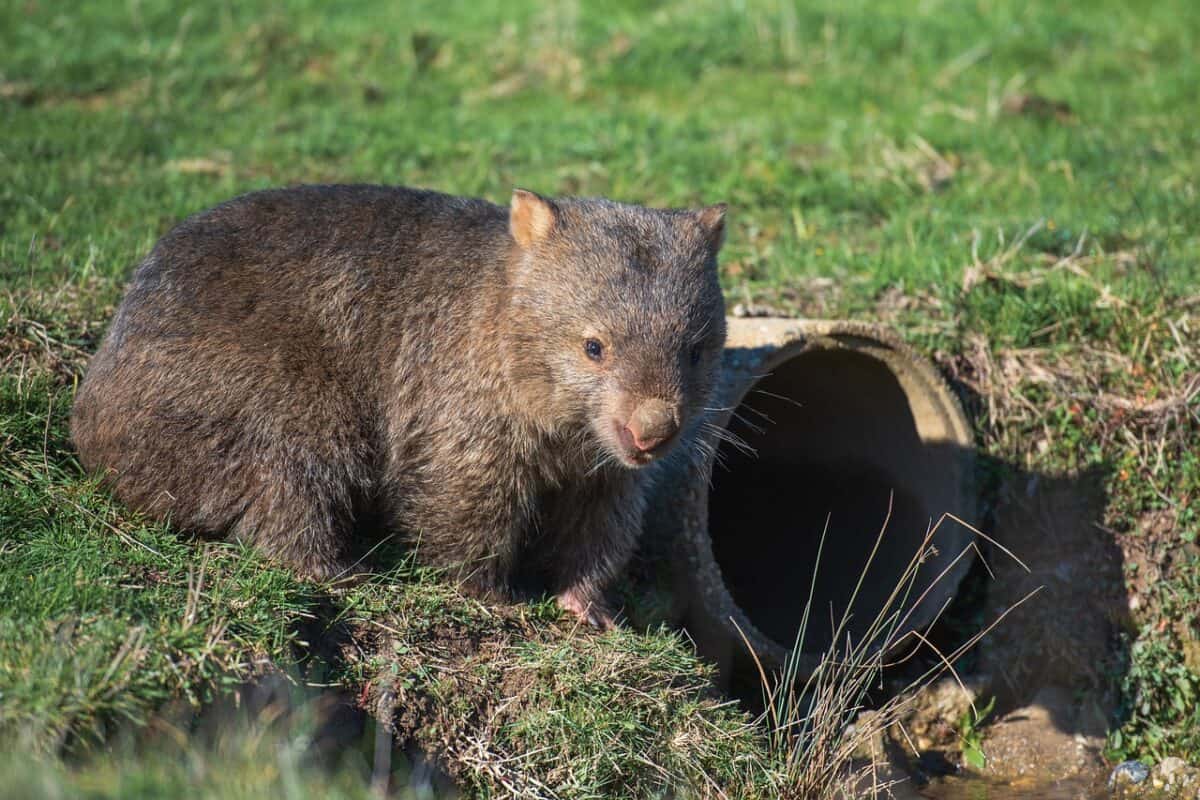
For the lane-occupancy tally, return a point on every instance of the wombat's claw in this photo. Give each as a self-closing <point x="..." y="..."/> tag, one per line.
<point x="586" y="609"/>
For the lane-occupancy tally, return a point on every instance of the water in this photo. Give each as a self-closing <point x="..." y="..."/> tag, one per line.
<point x="980" y="789"/>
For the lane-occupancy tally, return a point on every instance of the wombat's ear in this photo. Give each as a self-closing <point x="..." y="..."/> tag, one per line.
<point x="712" y="221"/>
<point x="531" y="217"/>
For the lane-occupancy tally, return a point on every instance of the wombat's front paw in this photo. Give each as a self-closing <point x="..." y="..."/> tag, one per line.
<point x="586" y="607"/>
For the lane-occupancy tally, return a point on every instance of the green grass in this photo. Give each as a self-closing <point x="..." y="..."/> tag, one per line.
<point x="235" y="756"/>
<point x="878" y="164"/>
<point x="1162" y="686"/>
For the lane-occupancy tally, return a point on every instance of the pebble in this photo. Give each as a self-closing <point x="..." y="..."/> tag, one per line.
<point x="1170" y="778"/>
<point x="755" y="310"/>
<point x="1171" y="767"/>
<point x="1128" y="773"/>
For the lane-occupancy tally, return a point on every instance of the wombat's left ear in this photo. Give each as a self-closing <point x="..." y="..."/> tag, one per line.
<point x="712" y="221"/>
<point x="531" y="217"/>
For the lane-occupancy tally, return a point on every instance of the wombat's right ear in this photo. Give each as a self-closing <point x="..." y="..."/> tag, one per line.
<point x="531" y="217"/>
<point x="712" y="220"/>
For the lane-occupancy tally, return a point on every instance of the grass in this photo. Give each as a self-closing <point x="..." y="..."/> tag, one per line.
<point x="1162" y="686"/>
<point x="234" y="754"/>
<point x="1012" y="185"/>
<point x="827" y="728"/>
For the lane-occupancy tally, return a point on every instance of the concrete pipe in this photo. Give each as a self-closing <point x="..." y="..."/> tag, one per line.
<point x="838" y="420"/>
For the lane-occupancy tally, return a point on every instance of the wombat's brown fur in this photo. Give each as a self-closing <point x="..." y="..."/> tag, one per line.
<point x="485" y="380"/>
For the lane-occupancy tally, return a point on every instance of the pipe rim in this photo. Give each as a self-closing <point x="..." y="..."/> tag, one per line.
<point x="781" y="340"/>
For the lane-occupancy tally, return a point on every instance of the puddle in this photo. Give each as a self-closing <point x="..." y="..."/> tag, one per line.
<point x="980" y="789"/>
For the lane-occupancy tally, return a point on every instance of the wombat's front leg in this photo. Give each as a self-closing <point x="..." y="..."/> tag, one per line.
<point x="592" y="531"/>
<point x="470" y="524"/>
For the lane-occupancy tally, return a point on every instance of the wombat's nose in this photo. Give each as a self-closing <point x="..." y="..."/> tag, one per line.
<point x="653" y="423"/>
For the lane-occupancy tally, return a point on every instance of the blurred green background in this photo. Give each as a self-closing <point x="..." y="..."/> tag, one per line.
<point x="863" y="141"/>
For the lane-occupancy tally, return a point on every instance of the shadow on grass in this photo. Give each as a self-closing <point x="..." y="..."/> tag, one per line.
<point x="767" y="517"/>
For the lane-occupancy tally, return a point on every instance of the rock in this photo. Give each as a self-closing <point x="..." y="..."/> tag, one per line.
<point x="1176" y="778"/>
<point x="755" y="310"/>
<point x="932" y="719"/>
<point x="1127" y="773"/>
<point x="869" y="737"/>
<point x="1170" y="768"/>
<point x="1170" y="779"/>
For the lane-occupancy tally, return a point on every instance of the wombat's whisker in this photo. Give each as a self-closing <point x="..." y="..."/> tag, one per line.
<point x="604" y="460"/>
<point x="759" y="429"/>
<point x="766" y="417"/>
<point x="704" y="452"/>
<point x="726" y="435"/>
<point x="732" y="411"/>
<point x="784" y="398"/>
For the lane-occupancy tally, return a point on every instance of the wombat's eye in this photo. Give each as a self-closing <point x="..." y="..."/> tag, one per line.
<point x="697" y="351"/>
<point x="594" y="350"/>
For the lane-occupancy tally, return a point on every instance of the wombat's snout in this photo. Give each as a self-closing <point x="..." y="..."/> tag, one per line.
<point x="652" y="424"/>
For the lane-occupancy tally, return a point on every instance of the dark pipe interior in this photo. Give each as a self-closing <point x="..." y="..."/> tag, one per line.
<point x="835" y="438"/>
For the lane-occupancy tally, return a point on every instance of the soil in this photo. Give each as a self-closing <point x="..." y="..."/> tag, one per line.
<point x="1066" y="635"/>
<point x="1035" y="743"/>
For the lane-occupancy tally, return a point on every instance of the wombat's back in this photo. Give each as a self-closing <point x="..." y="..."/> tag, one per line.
<point x="273" y="263"/>
<point x="236" y="389"/>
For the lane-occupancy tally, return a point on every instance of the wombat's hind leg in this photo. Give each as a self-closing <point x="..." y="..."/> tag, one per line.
<point x="300" y="523"/>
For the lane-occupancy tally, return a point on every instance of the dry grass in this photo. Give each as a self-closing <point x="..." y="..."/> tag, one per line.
<point x="825" y="729"/>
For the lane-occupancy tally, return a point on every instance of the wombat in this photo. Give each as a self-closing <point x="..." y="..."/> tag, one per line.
<point x="486" y="381"/>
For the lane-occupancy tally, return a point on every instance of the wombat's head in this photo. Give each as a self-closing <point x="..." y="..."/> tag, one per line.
<point x="619" y="318"/>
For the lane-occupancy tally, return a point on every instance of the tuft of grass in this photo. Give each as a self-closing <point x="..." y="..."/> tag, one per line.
<point x="226" y="752"/>
<point x="645" y="720"/>
<point x="971" y="736"/>
<point x="826" y="729"/>
<point x="519" y="702"/>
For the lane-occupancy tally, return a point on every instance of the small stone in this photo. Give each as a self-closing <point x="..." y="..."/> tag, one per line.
<point x="1170" y="768"/>
<point x="1128" y="773"/>
<point x="755" y="310"/>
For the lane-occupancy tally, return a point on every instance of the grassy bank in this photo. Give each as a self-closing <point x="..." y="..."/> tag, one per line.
<point x="1014" y="186"/>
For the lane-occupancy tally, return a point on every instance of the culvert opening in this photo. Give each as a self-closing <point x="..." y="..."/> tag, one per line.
<point x="835" y="436"/>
